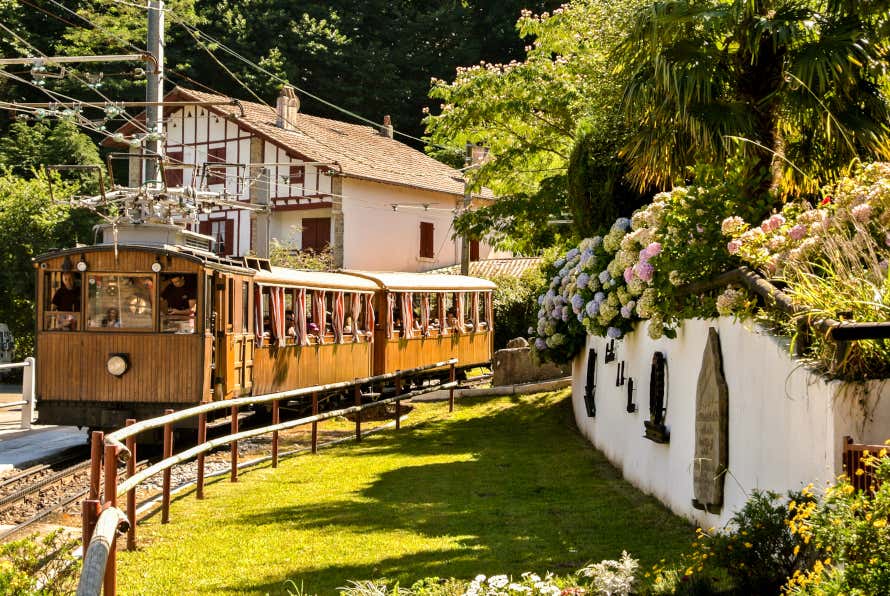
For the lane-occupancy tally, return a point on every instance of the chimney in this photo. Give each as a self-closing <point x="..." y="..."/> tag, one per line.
<point x="386" y="129"/>
<point x="288" y="107"/>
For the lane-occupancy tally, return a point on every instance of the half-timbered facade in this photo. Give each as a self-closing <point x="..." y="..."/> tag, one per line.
<point x="378" y="203"/>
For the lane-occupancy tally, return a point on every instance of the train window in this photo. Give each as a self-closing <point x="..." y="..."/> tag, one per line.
<point x="447" y="308"/>
<point x="230" y="310"/>
<point x="348" y="314"/>
<point x="120" y="301"/>
<point x="328" y="309"/>
<point x="245" y="306"/>
<point x="484" y="301"/>
<point x="179" y="300"/>
<point x="473" y="315"/>
<point x="62" y="298"/>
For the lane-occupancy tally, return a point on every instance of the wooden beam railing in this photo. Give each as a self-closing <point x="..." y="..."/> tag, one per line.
<point x="852" y="457"/>
<point x="116" y="450"/>
<point x="841" y="332"/>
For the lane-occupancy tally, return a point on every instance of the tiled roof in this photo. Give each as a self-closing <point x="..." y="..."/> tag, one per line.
<point x="360" y="150"/>
<point x="489" y="268"/>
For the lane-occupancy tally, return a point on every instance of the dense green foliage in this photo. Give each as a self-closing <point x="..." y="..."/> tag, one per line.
<point x="39" y="566"/>
<point x="528" y="111"/>
<point x="796" y="80"/>
<point x="514" y="305"/>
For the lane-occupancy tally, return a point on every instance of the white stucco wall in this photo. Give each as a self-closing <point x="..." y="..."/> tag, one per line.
<point x="379" y="239"/>
<point x="785" y="423"/>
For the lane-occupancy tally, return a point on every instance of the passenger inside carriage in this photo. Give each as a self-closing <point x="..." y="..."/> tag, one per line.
<point x="179" y="301"/>
<point x="66" y="300"/>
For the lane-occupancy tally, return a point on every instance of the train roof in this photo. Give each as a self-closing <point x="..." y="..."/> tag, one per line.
<point x="407" y="282"/>
<point x="188" y="253"/>
<point x="280" y="276"/>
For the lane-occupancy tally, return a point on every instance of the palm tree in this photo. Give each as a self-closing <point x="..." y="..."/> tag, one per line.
<point x="794" y="85"/>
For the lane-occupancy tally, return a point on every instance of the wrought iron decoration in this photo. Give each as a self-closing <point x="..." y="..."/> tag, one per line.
<point x="590" y="389"/>
<point x="655" y="427"/>
<point x="610" y="352"/>
<point x="631" y="406"/>
<point x="619" y="375"/>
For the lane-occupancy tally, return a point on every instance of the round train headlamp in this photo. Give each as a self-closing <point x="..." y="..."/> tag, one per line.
<point x="117" y="364"/>
<point x="156" y="267"/>
<point x="81" y="266"/>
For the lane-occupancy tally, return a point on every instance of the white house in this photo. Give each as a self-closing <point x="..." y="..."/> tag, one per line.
<point x="379" y="204"/>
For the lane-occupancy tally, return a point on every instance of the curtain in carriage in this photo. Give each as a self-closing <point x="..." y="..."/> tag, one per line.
<point x="425" y="314"/>
<point x="390" y="310"/>
<point x="276" y="315"/>
<point x="474" y="312"/>
<point x="258" y="313"/>
<point x="337" y="317"/>
<point x="369" y="317"/>
<point x="459" y="312"/>
<point x="489" y="310"/>
<point x="356" y="315"/>
<point x="300" y="317"/>
<point x="407" y="315"/>
<point x="440" y="314"/>
<point x="318" y="313"/>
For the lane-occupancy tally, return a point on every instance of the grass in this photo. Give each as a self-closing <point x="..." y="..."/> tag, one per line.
<point x="500" y="486"/>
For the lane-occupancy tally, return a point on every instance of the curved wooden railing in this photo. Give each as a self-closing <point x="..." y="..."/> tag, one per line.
<point x="120" y="446"/>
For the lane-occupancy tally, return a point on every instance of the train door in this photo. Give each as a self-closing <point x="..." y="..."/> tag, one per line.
<point x="233" y="337"/>
<point x="244" y="338"/>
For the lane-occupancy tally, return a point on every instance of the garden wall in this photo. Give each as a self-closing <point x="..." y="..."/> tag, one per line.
<point x="785" y="425"/>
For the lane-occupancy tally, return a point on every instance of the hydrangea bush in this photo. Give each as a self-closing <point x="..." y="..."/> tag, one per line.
<point x="606" y="284"/>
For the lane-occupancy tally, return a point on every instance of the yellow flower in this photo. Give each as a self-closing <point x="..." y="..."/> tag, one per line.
<point x="748" y="545"/>
<point x="880" y="523"/>
<point x="689" y="571"/>
<point x="796" y="549"/>
<point x="860" y="472"/>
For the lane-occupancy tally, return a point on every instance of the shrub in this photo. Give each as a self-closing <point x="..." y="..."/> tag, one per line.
<point x="42" y="566"/>
<point x="851" y="530"/>
<point x="513" y="303"/>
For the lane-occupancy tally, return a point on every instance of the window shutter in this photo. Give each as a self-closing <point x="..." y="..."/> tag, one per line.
<point x="427" y="249"/>
<point x="173" y="175"/>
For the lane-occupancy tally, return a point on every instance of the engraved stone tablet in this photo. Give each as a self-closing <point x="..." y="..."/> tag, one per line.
<point x="711" y="429"/>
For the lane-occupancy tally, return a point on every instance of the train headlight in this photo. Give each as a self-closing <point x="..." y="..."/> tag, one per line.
<point x="117" y="364"/>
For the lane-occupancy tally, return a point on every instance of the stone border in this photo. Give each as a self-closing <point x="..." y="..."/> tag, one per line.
<point x="521" y="389"/>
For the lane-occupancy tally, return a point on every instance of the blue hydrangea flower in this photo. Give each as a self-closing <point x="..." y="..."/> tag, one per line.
<point x="541" y="300"/>
<point x="583" y="279"/>
<point x="622" y="223"/>
<point x="596" y="242"/>
<point x="559" y="263"/>
<point x="565" y="313"/>
<point x="592" y="308"/>
<point x="614" y="333"/>
<point x="577" y="302"/>
<point x="599" y="296"/>
<point x="540" y="344"/>
<point x="572" y="254"/>
<point x="604" y="276"/>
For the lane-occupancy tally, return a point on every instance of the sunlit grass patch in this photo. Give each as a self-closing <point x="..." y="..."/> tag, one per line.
<point x="501" y="484"/>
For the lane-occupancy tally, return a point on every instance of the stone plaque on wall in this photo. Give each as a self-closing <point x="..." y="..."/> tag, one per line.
<point x="711" y="429"/>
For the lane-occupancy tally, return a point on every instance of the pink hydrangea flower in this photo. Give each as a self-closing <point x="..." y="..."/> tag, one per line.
<point x="797" y="232"/>
<point x="733" y="246"/>
<point x="644" y="270"/>
<point x="629" y="274"/>
<point x="776" y="221"/>
<point x="650" y="251"/>
<point x="861" y="213"/>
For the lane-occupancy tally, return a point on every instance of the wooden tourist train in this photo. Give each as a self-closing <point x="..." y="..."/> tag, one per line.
<point x="129" y="328"/>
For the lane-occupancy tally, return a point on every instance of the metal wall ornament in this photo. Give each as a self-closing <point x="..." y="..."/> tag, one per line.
<point x="619" y="375"/>
<point x="610" y="352"/>
<point x="631" y="406"/>
<point x="590" y="388"/>
<point x="655" y="428"/>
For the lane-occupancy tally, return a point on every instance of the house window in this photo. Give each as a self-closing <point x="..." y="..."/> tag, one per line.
<point x="474" y="250"/>
<point x="216" y="175"/>
<point x="297" y="175"/>
<point x="426" y="240"/>
<point x="316" y="233"/>
<point x="223" y="232"/>
<point x="173" y="168"/>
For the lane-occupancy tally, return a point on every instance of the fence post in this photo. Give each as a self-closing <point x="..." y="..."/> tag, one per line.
<point x="202" y="438"/>
<point x="168" y="452"/>
<point x="233" y="477"/>
<point x="315" y="424"/>
<point x="131" y="494"/>
<point x="110" y="588"/>
<point x="98" y="437"/>
<point x="358" y="415"/>
<point x="275" y="420"/>
<point x="452" y="375"/>
<point x="28" y="386"/>
<point x="90" y="510"/>
<point x="398" y="402"/>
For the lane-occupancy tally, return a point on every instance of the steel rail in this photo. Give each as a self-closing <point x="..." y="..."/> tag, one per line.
<point x="137" y="479"/>
<point x="6" y="501"/>
<point x="116" y="438"/>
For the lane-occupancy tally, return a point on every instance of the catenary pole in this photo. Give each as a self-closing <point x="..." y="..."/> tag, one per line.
<point x="154" y="92"/>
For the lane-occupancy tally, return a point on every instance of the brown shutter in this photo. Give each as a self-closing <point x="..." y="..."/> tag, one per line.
<point x="216" y="175"/>
<point x="316" y="233"/>
<point x="173" y="172"/>
<point x="426" y="240"/>
<point x="474" y="250"/>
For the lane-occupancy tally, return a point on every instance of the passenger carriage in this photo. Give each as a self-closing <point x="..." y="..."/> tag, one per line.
<point x="134" y="326"/>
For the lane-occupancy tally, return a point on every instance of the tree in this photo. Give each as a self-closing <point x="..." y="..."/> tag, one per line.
<point x="527" y="112"/>
<point x="792" y="84"/>
<point x="31" y="224"/>
<point x="27" y="148"/>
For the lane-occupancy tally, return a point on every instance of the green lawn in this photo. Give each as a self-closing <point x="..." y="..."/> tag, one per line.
<point x="500" y="486"/>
